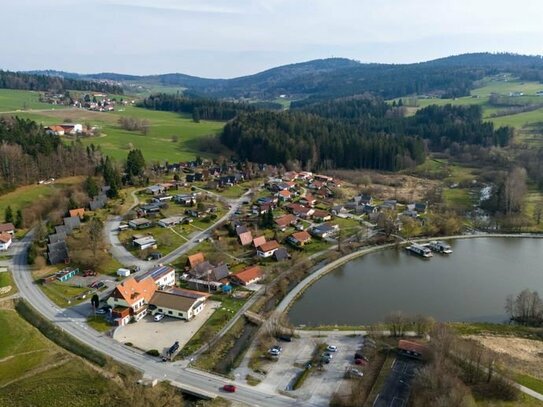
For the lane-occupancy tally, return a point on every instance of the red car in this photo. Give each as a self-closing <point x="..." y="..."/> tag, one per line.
<point x="230" y="388"/>
<point x="360" y="362"/>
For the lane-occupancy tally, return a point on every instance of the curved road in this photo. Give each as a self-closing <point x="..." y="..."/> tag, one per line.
<point x="75" y="324"/>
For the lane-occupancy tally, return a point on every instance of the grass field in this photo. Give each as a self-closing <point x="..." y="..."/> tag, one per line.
<point x="171" y="136"/>
<point x="13" y="100"/>
<point x="64" y="295"/>
<point x="23" y="196"/>
<point x="7" y="280"/>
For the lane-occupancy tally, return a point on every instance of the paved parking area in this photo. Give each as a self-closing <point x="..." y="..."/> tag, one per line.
<point x="318" y="388"/>
<point x="397" y="387"/>
<point x="148" y="334"/>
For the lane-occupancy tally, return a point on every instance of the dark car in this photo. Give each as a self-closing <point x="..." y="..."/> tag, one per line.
<point x="230" y="388"/>
<point x="360" y="362"/>
<point x="285" y="338"/>
<point x="358" y="355"/>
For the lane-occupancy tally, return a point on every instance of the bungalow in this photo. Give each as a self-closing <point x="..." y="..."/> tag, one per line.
<point x="163" y="276"/>
<point x="248" y="276"/>
<point x="57" y="252"/>
<point x="140" y="223"/>
<point x="207" y="272"/>
<point x="281" y="254"/>
<point x="153" y="207"/>
<point x="267" y="249"/>
<point x="308" y="200"/>
<point x="66" y="274"/>
<point x="186" y="200"/>
<point x="178" y="303"/>
<point x="194" y="260"/>
<point x="321" y="216"/>
<point x="325" y="230"/>
<point x="134" y="295"/>
<point x="284" y="195"/>
<point x="7" y="228"/>
<point x="171" y="221"/>
<point x="79" y="212"/>
<point x="145" y="242"/>
<point x="5" y="241"/>
<point x="300" y="210"/>
<point x="389" y="204"/>
<point x="299" y="239"/>
<point x="259" y="241"/>
<point x="285" y="221"/>
<point x="72" y="223"/>
<point x="263" y="208"/>
<point x="155" y="189"/>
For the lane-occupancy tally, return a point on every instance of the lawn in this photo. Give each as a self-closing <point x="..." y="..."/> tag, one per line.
<point x="24" y="196"/>
<point x="171" y="136"/>
<point x="229" y="307"/>
<point x="7" y="280"/>
<point x="99" y="323"/>
<point x="458" y="198"/>
<point x="14" y="100"/>
<point x="64" y="295"/>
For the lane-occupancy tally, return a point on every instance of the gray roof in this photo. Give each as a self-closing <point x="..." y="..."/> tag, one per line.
<point x="281" y="254"/>
<point x="62" y="229"/>
<point x="72" y="222"/>
<point x="57" y="237"/>
<point x="57" y="252"/>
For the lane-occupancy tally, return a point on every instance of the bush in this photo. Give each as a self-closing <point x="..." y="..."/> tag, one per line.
<point x="153" y="352"/>
<point x="300" y="379"/>
<point x="129" y="344"/>
<point x="61" y="338"/>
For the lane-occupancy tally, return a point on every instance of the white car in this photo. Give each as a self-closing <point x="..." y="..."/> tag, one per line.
<point x="331" y="348"/>
<point x="158" y="317"/>
<point x="274" y="352"/>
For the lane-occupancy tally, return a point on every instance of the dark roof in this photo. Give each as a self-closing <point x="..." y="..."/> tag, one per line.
<point x="57" y="237"/>
<point x="220" y="272"/>
<point x="57" y="252"/>
<point x="241" y="229"/>
<point x="72" y="222"/>
<point x="156" y="273"/>
<point x="281" y="254"/>
<point x="61" y="229"/>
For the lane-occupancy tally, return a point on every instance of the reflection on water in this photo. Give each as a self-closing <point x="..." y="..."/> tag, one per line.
<point x="469" y="285"/>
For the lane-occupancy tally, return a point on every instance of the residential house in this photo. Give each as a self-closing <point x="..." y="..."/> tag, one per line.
<point x="364" y="199"/>
<point x="163" y="276"/>
<point x="140" y="223"/>
<point x="72" y="128"/>
<point x="194" y="260"/>
<point x="155" y="189"/>
<point x="57" y="252"/>
<point x="389" y="204"/>
<point x="245" y="238"/>
<point x="267" y="249"/>
<point x="285" y="221"/>
<point x="290" y="176"/>
<point x="145" y="242"/>
<point x="258" y="241"/>
<point x="178" y="303"/>
<point x="183" y="199"/>
<point x="284" y="195"/>
<point x="339" y="211"/>
<point x="321" y="216"/>
<point x="79" y="212"/>
<point x="134" y="295"/>
<point x="162" y="198"/>
<point x="300" y="210"/>
<point x="299" y="239"/>
<point x="5" y="241"/>
<point x="62" y="229"/>
<point x="171" y="221"/>
<point x="57" y="237"/>
<point x="72" y="223"/>
<point x="308" y="200"/>
<point x="324" y="230"/>
<point x="151" y="208"/>
<point x="366" y="209"/>
<point x="248" y="276"/>
<point x="7" y="228"/>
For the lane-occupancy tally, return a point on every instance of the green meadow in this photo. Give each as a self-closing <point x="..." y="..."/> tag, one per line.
<point x="13" y="100"/>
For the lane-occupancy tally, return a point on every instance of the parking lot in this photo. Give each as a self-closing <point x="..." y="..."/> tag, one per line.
<point x="395" y="391"/>
<point x="148" y="334"/>
<point x="322" y="383"/>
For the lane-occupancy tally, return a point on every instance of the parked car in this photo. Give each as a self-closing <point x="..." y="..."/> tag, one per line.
<point x="356" y="372"/>
<point x="360" y="362"/>
<point x="158" y="317"/>
<point x="100" y="311"/>
<point x="358" y="355"/>
<point x="230" y="388"/>
<point x="331" y="348"/>
<point x="285" y="338"/>
<point x="327" y="355"/>
<point x="277" y="348"/>
<point x="154" y="256"/>
<point x="274" y="352"/>
<point x="325" y="360"/>
<point x="89" y="273"/>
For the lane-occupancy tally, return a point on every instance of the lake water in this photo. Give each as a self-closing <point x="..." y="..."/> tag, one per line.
<point x="471" y="284"/>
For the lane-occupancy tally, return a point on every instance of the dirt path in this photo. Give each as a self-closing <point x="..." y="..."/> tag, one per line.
<point x="38" y="370"/>
<point x="22" y="353"/>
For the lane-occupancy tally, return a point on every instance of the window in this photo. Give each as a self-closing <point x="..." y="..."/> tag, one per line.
<point x="180" y="314"/>
<point x="170" y="312"/>
<point x="160" y="310"/>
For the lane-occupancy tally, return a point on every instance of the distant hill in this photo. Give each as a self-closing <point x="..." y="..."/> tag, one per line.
<point x="336" y="77"/>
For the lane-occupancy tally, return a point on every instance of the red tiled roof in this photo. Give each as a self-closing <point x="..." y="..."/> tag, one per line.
<point x="249" y="274"/>
<point x="285" y="220"/>
<point x="132" y="290"/>
<point x="195" y="259"/>
<point x="271" y="245"/>
<point x="246" y="238"/>
<point x="302" y="236"/>
<point x="258" y="241"/>
<point x="5" y="237"/>
<point x="77" y="212"/>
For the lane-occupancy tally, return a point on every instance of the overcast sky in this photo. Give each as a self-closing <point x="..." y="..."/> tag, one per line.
<point x="229" y="38"/>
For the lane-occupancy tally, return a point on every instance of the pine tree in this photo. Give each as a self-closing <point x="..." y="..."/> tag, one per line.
<point x="19" y="221"/>
<point x="8" y="215"/>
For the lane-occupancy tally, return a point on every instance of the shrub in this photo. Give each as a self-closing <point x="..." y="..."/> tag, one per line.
<point x="153" y="352"/>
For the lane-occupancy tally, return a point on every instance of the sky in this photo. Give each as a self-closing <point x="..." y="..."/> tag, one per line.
<point x="228" y="38"/>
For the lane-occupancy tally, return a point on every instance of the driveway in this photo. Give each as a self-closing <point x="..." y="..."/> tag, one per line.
<point x="148" y="334"/>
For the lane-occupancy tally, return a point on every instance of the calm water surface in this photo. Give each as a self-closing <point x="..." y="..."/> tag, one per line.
<point x="469" y="285"/>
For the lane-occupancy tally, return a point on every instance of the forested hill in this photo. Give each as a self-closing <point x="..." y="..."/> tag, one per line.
<point x="29" y="81"/>
<point x="338" y="77"/>
<point x="359" y="133"/>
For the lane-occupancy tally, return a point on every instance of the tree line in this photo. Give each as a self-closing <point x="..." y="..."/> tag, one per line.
<point x="26" y="81"/>
<point x="199" y="108"/>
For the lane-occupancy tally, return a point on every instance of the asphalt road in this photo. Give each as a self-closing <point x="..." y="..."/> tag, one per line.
<point x="123" y="256"/>
<point x="397" y="387"/>
<point x="74" y="324"/>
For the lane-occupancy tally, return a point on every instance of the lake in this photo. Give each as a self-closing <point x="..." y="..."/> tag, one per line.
<point x="471" y="284"/>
